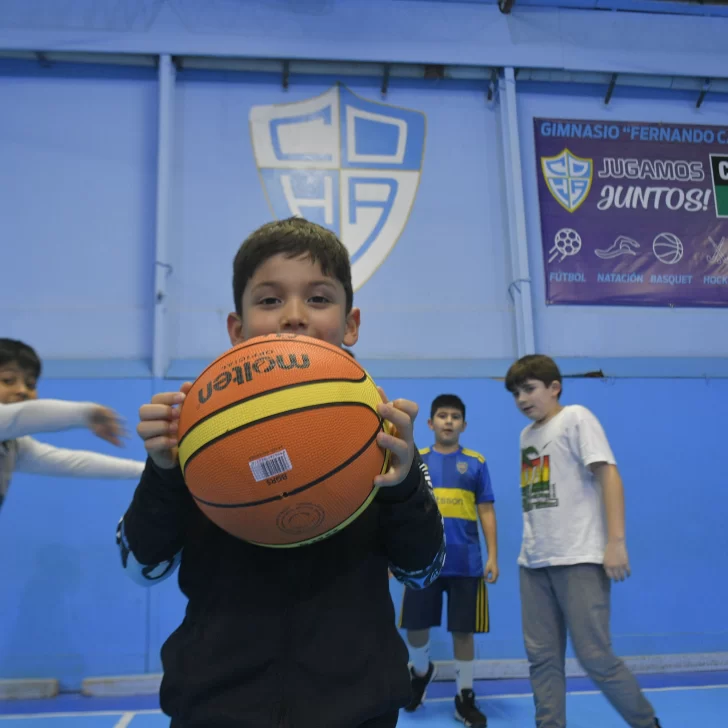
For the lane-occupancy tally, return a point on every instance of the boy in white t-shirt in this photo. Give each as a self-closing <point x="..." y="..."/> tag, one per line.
<point x="573" y="544"/>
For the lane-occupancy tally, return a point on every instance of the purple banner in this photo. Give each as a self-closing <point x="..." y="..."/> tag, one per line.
<point x="632" y="213"/>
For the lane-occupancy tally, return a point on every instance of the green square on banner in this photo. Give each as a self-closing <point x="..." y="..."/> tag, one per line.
<point x="719" y="169"/>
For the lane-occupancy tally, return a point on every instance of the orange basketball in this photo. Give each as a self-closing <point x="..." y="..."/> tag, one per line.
<point x="278" y="440"/>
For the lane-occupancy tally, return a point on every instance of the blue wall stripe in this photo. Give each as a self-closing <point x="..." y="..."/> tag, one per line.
<point x="627" y="367"/>
<point x="96" y="368"/>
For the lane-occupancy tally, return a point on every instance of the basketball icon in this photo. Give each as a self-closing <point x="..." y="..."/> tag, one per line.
<point x="668" y="248"/>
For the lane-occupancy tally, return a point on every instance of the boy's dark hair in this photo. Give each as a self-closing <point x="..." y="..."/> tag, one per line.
<point x="292" y="237"/>
<point x="13" y="351"/>
<point x="447" y="400"/>
<point x="533" y="366"/>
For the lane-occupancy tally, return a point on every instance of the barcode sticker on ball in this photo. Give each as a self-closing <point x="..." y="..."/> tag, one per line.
<point x="270" y="465"/>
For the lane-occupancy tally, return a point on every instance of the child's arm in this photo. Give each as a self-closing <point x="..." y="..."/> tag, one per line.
<point x="597" y="455"/>
<point x="413" y="529"/>
<point x="411" y="524"/>
<point x="151" y="534"/>
<point x="616" y="561"/>
<point x="486" y="513"/>
<point x="52" y="415"/>
<point x="42" y="459"/>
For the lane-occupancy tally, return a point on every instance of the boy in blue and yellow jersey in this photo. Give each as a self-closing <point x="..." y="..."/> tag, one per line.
<point x="464" y="495"/>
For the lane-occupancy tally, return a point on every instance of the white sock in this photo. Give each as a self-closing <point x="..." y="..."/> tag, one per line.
<point x="420" y="658"/>
<point x="464" y="675"/>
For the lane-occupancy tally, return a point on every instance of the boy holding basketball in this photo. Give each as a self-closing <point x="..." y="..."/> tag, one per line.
<point x="464" y="494"/>
<point x="573" y="544"/>
<point x="22" y="414"/>
<point x="302" y="637"/>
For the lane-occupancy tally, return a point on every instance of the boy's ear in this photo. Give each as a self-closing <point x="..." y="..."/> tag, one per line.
<point x="353" y="322"/>
<point x="235" y="328"/>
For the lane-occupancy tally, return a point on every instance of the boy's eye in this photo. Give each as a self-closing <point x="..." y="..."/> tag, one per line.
<point x="319" y="299"/>
<point x="268" y="301"/>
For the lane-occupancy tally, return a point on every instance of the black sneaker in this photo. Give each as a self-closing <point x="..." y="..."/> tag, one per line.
<point x="419" y="687"/>
<point x="467" y="712"/>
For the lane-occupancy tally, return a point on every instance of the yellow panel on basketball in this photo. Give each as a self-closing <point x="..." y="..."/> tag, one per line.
<point x="278" y="440"/>
<point x="283" y="401"/>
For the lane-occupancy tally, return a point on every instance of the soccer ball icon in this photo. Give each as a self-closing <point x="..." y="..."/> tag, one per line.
<point x="566" y="242"/>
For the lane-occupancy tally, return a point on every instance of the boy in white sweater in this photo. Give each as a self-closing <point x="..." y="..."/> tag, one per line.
<point x="22" y="414"/>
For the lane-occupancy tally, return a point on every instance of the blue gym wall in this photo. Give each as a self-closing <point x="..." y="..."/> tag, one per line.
<point x="80" y="228"/>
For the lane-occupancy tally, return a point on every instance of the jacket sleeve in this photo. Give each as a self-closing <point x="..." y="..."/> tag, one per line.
<point x="413" y="528"/>
<point x="151" y="535"/>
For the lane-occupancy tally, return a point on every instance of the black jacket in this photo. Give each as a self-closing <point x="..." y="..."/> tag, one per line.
<point x="302" y="637"/>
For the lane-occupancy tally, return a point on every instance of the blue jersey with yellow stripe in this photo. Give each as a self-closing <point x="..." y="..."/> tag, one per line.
<point x="460" y="481"/>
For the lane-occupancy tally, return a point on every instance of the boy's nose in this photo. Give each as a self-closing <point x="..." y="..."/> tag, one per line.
<point x="293" y="316"/>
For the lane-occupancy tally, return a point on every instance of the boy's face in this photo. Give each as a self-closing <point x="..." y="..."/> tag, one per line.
<point x="537" y="401"/>
<point x="447" y="423"/>
<point x="293" y="296"/>
<point x="16" y="384"/>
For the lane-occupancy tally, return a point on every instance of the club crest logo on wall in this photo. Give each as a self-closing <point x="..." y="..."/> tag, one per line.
<point x="568" y="177"/>
<point x="347" y="163"/>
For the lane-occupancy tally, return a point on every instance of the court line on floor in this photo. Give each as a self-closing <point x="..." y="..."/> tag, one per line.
<point x="86" y="714"/>
<point x="513" y="696"/>
<point x="125" y="720"/>
<point x="506" y="696"/>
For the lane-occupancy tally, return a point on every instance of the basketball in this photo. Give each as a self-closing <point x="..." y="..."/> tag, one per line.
<point x="278" y="440"/>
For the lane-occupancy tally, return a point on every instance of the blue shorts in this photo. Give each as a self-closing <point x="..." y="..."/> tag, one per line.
<point x="467" y="605"/>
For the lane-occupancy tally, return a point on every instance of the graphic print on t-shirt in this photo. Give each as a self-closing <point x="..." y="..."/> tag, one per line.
<point x="537" y="490"/>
